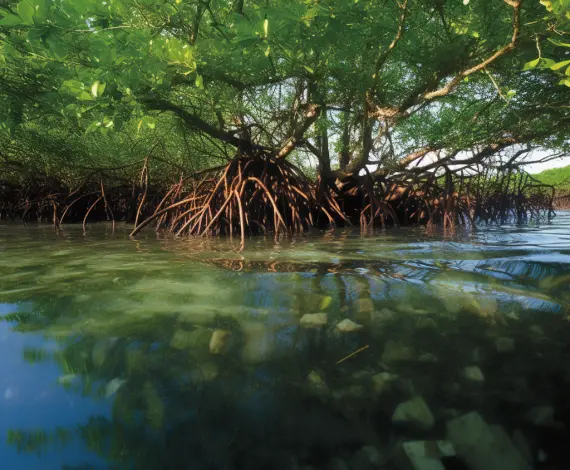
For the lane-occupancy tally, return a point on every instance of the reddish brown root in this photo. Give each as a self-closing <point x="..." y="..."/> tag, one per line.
<point x="248" y="196"/>
<point x="262" y="194"/>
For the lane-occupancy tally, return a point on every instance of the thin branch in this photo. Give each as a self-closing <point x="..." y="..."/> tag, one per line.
<point x="311" y="115"/>
<point x="381" y="60"/>
<point x="430" y="95"/>
<point x="198" y="123"/>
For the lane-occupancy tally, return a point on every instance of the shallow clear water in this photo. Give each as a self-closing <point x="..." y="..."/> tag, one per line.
<point x="171" y="354"/>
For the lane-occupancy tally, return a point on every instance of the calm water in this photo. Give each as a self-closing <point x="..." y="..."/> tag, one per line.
<point x="184" y="354"/>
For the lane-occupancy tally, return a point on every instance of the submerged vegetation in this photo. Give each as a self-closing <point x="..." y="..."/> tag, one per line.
<point x="219" y="117"/>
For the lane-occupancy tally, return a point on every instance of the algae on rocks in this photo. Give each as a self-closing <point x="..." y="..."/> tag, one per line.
<point x="414" y="412"/>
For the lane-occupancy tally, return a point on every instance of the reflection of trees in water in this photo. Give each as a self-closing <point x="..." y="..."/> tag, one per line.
<point x="179" y="406"/>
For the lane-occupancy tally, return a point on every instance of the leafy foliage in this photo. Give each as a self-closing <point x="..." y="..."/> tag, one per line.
<point x="558" y="177"/>
<point x="92" y="91"/>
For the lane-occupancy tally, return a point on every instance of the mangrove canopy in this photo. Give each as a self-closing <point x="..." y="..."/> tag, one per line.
<point x="253" y="116"/>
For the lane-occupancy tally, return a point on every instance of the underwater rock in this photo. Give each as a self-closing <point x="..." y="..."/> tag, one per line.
<point x="482" y="447"/>
<point x="367" y="458"/>
<point x="317" y="384"/>
<point x="425" y="323"/>
<point x="396" y="351"/>
<point x="383" y="382"/>
<point x="337" y="464"/>
<point x="364" y="305"/>
<point x="418" y="455"/>
<point x="381" y="316"/>
<point x="428" y="357"/>
<point x="205" y="372"/>
<point x="356" y="391"/>
<point x="348" y="326"/>
<point x="445" y="448"/>
<point x="473" y="374"/>
<point x="363" y="311"/>
<point x="414" y="412"/>
<point x="259" y="342"/>
<point x="541" y="416"/>
<point x="219" y="341"/>
<point x="314" y="320"/>
<point x="505" y="344"/>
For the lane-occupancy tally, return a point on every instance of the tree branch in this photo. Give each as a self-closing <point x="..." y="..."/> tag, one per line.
<point x="412" y="157"/>
<point x="430" y="95"/>
<point x="311" y="115"/>
<point x="195" y="122"/>
<point x="381" y="60"/>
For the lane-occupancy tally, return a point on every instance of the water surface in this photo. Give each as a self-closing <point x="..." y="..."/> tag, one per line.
<point x="183" y="353"/>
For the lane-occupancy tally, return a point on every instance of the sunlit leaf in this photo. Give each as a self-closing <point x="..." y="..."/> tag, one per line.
<point x="325" y="302"/>
<point x="558" y="43"/>
<point x="97" y="89"/>
<point x="531" y="65"/>
<point x="200" y="81"/>
<point x="559" y="65"/>
<point x="11" y="20"/>
<point x="84" y="96"/>
<point x="26" y="12"/>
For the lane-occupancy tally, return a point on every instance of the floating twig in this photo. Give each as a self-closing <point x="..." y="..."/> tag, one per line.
<point x="353" y="353"/>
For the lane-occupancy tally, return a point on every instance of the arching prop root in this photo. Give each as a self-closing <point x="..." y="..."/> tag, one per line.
<point x="262" y="194"/>
<point x="248" y="196"/>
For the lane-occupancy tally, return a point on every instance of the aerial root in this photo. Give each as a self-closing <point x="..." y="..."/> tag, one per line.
<point x="262" y="194"/>
<point x="248" y="196"/>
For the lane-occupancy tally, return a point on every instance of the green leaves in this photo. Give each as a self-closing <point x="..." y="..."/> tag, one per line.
<point x="200" y="81"/>
<point x="93" y="66"/>
<point x="97" y="88"/>
<point x="531" y="65"/>
<point x="11" y="20"/>
<point x="560" y="65"/>
<point x="545" y="63"/>
<point x="79" y="91"/>
<point x="146" y="121"/>
<point x="26" y="11"/>
<point x="558" y="43"/>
